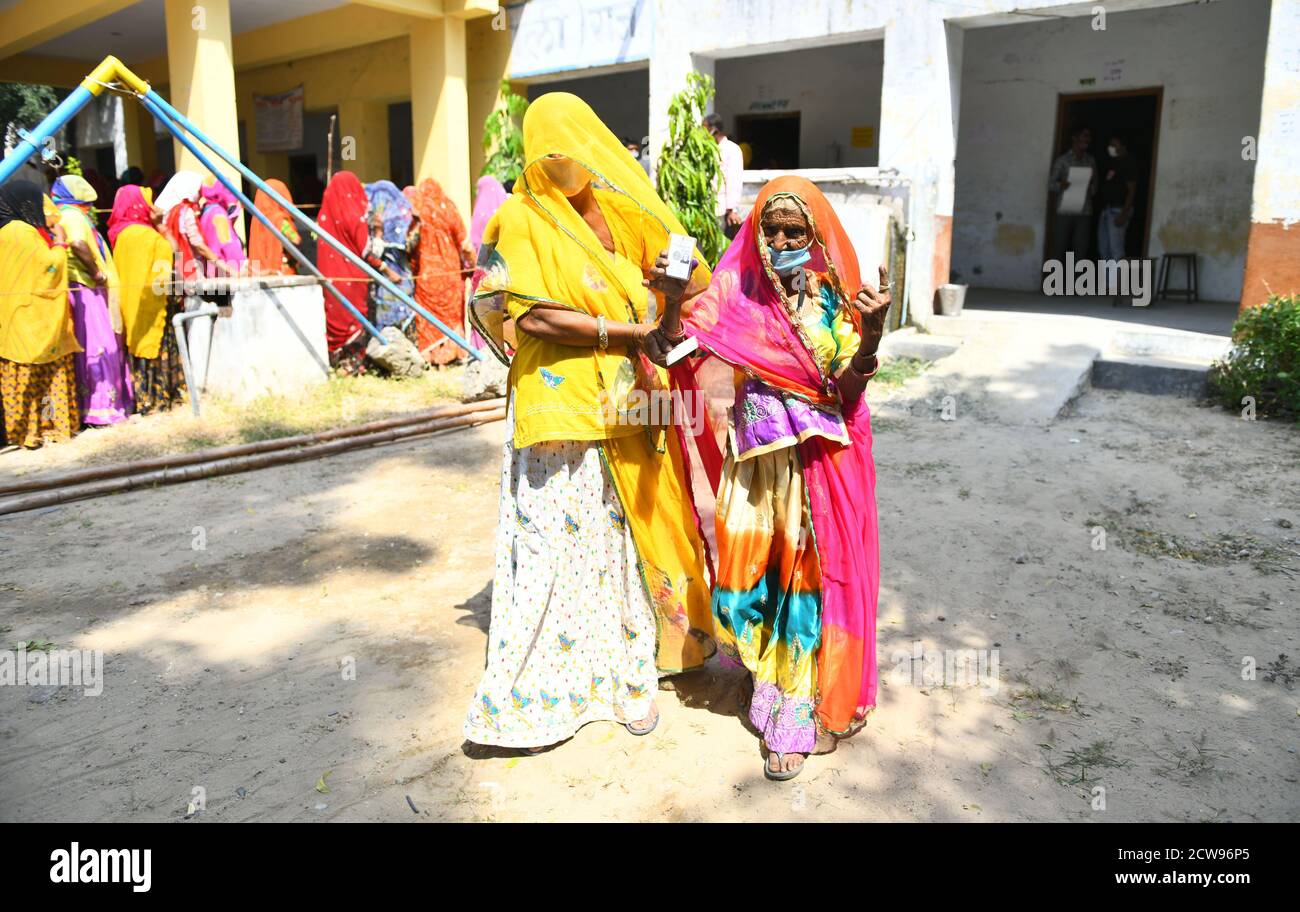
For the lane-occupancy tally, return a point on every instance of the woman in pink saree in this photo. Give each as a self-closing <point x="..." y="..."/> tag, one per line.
<point x="219" y="210"/>
<point x="798" y="569"/>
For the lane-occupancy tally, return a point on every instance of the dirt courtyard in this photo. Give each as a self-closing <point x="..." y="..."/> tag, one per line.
<point x="301" y="643"/>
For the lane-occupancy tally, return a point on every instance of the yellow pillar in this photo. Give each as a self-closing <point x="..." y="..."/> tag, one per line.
<point x="489" y="58"/>
<point x="363" y="129"/>
<point x="202" y="75"/>
<point x="440" y="106"/>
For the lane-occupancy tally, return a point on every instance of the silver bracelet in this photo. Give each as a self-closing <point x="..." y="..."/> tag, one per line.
<point x="602" y="337"/>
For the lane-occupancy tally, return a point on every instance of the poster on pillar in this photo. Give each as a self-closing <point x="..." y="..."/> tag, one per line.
<point x="278" y="120"/>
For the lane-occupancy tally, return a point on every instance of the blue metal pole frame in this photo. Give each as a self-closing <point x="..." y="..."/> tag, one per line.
<point x="260" y="216"/>
<point x="179" y="118"/>
<point x="53" y="122"/>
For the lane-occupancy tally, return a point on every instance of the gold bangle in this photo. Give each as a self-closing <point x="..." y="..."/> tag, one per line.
<point x="602" y="335"/>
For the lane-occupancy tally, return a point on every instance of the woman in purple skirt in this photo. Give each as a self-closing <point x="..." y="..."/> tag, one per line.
<point x="103" y="369"/>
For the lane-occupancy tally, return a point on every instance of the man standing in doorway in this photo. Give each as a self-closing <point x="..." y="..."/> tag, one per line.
<point x="733" y="166"/>
<point x="1118" y="190"/>
<point x="1071" y="228"/>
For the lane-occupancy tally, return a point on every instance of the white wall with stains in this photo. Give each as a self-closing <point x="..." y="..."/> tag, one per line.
<point x="1208" y="58"/>
<point x="965" y="98"/>
<point x="1277" y="181"/>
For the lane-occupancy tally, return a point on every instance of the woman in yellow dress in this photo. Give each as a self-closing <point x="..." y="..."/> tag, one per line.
<point x="37" y="377"/>
<point x="600" y="579"/>
<point x="143" y="259"/>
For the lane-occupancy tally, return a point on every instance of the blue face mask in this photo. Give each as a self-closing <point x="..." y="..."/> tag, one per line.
<point x="787" y="261"/>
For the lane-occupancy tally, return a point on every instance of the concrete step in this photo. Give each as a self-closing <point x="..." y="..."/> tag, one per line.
<point x="1024" y="368"/>
<point x="908" y="343"/>
<point x="1150" y="374"/>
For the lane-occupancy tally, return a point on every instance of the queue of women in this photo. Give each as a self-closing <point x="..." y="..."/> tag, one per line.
<point x="86" y="331"/>
<point x="604" y="578"/>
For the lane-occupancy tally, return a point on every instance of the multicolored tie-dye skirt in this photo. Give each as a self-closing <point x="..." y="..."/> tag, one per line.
<point x="767" y="601"/>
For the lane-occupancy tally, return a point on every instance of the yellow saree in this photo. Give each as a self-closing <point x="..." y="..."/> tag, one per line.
<point x="538" y="251"/>
<point x="35" y="322"/>
<point x="143" y="262"/>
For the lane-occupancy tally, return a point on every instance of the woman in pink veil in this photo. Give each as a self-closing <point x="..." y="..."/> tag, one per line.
<point x="798" y="569"/>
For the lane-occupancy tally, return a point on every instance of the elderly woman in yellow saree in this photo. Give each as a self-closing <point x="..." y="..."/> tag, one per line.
<point x="600" y="582"/>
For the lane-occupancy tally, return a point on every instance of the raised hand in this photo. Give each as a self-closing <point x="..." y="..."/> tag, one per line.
<point x="873" y="305"/>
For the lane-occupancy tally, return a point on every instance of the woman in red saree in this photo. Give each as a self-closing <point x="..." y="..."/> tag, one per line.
<point x="798" y="568"/>
<point x="440" y="256"/>
<point x="343" y="215"/>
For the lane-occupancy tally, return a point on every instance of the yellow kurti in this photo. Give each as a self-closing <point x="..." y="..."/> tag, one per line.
<point x="35" y="320"/>
<point x="143" y="259"/>
<point x="37" y="382"/>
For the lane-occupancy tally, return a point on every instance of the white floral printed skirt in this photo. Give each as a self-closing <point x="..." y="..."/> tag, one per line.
<point x="572" y="637"/>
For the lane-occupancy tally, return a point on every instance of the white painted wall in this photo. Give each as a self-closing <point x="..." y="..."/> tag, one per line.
<point x="1209" y="60"/>
<point x="101" y="123"/>
<point x="1277" y="179"/>
<point x="834" y="89"/>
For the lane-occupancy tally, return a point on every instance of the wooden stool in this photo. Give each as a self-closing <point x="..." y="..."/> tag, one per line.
<point x="1189" y="290"/>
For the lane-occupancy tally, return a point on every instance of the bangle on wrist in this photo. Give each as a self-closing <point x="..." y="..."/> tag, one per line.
<point x="872" y="360"/>
<point x="602" y="334"/>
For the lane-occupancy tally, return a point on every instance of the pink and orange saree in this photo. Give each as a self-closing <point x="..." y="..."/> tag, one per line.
<point x="798" y="575"/>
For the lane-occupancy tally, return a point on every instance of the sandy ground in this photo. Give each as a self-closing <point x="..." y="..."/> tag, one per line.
<point x="228" y="666"/>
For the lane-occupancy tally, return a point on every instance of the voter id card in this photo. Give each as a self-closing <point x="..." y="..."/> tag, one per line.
<point x="681" y="248"/>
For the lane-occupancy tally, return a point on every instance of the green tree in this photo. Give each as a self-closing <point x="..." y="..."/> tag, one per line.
<point x="690" y="167"/>
<point x="503" y="135"/>
<point x="24" y="106"/>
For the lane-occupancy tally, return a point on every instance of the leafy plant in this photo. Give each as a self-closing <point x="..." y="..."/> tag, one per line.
<point x="503" y="135"/>
<point x="690" y="168"/>
<point x="1264" y="363"/>
<point x="24" y="106"/>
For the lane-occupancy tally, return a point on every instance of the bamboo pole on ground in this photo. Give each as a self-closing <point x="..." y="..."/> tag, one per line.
<point x="236" y="464"/>
<point x="121" y="469"/>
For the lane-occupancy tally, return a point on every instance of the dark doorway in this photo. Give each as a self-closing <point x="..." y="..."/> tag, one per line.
<point x="401" y="169"/>
<point x="773" y="138"/>
<point x="306" y="188"/>
<point x="1134" y="116"/>
<point x="304" y="184"/>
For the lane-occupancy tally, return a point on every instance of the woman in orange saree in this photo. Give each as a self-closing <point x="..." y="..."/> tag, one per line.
<point x="441" y="254"/>
<point x="798" y="552"/>
<point x="266" y="255"/>
<point x="600" y="581"/>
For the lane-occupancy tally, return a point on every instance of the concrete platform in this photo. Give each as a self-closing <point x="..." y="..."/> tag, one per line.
<point x="272" y="340"/>
<point x="1210" y="317"/>
<point x="1023" y="368"/>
